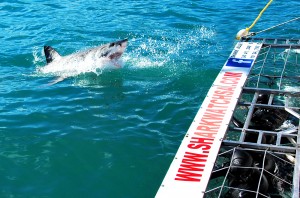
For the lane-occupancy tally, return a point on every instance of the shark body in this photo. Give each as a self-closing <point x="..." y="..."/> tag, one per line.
<point x="85" y="61"/>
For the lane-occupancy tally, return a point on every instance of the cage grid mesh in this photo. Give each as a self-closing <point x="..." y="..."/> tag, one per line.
<point x="264" y="128"/>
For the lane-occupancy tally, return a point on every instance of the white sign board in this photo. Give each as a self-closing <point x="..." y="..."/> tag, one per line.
<point x="191" y="168"/>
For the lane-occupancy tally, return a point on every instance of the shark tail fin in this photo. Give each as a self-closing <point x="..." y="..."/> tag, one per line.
<point x="51" y="54"/>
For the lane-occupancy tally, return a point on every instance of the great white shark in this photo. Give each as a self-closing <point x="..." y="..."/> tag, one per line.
<point x="84" y="61"/>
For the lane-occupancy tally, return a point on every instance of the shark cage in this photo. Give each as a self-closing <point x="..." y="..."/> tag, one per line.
<point x="259" y="155"/>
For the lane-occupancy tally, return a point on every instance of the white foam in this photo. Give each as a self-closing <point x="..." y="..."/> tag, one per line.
<point x="72" y="67"/>
<point x="169" y="47"/>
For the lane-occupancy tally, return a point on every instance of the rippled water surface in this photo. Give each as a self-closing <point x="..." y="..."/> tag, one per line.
<point x="111" y="133"/>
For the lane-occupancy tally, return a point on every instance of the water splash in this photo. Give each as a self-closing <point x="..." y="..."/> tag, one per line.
<point x="169" y="49"/>
<point x="164" y="48"/>
<point x="37" y="54"/>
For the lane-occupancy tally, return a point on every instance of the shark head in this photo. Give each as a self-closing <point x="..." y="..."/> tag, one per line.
<point x="113" y="50"/>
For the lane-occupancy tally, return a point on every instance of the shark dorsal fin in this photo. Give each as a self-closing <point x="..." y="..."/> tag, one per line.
<point x="51" y="54"/>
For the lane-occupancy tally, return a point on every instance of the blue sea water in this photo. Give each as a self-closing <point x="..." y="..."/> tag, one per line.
<point x="111" y="133"/>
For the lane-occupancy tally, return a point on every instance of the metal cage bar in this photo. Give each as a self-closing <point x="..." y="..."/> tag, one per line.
<point x="273" y="76"/>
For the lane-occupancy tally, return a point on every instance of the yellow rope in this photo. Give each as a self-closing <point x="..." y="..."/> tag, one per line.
<point x="261" y="12"/>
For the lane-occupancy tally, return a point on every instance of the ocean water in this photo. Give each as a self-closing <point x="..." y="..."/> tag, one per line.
<point x="111" y="133"/>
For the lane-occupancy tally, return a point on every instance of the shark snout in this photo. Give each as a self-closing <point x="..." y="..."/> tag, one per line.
<point x="117" y="49"/>
<point x="122" y="43"/>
